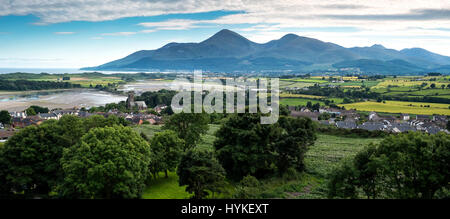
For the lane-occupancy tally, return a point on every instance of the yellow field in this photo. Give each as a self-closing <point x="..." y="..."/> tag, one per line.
<point x="401" y="107"/>
<point x="407" y="83"/>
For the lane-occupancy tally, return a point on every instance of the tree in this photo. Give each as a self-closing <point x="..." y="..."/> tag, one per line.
<point x="110" y="162"/>
<point x="410" y="165"/>
<point x="188" y="126"/>
<point x="166" y="150"/>
<point x="32" y="160"/>
<point x="448" y="125"/>
<point x="30" y="112"/>
<point x="200" y="171"/>
<point x="299" y="133"/>
<point x="245" y="147"/>
<point x="5" y="117"/>
<point x="433" y="86"/>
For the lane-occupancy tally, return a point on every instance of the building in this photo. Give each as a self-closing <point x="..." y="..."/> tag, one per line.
<point x="47" y="116"/>
<point x="405" y="117"/>
<point x="346" y="125"/>
<point x="131" y="104"/>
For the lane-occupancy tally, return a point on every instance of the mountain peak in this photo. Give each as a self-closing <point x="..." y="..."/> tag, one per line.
<point x="289" y="36"/>
<point x="226" y="36"/>
<point x="378" y="46"/>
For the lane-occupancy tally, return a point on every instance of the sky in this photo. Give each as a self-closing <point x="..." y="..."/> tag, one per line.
<point x="82" y="33"/>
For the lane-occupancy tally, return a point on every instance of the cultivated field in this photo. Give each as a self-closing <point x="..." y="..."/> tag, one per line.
<point x="401" y="107"/>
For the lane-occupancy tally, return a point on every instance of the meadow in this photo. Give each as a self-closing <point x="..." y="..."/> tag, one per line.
<point x="401" y="107"/>
<point x="299" y="101"/>
<point x="320" y="160"/>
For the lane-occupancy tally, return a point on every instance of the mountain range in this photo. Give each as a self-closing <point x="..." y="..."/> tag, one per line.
<point x="227" y="51"/>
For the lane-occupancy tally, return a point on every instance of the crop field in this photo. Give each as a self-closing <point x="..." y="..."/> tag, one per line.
<point x="407" y="83"/>
<point x="401" y="107"/>
<point x="329" y="150"/>
<point x="306" y="80"/>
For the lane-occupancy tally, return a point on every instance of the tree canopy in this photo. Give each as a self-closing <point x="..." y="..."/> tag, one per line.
<point x="166" y="149"/>
<point x="246" y="147"/>
<point x="411" y="165"/>
<point x="110" y="162"/>
<point x="200" y="171"/>
<point x="189" y="126"/>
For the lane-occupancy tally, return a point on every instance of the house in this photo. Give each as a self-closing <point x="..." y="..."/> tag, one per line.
<point x="373" y="126"/>
<point x="374" y="116"/>
<point x="18" y="114"/>
<point x="47" y="116"/>
<point x="346" y="125"/>
<point x="160" y="108"/>
<point x="60" y="113"/>
<point x="423" y="117"/>
<point x="402" y="127"/>
<point x="22" y="123"/>
<point x="312" y="115"/>
<point x="432" y="129"/>
<point x="405" y="117"/>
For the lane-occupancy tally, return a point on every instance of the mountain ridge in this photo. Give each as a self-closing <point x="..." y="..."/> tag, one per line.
<point x="229" y="51"/>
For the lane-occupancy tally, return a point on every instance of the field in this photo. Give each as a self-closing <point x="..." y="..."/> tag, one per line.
<point x="320" y="160"/>
<point x="401" y="107"/>
<point x="298" y="101"/>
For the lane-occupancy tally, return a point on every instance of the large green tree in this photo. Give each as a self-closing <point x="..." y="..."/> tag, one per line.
<point x="410" y="165"/>
<point x="31" y="158"/>
<point x="247" y="147"/>
<point x="110" y="162"/>
<point x="167" y="149"/>
<point x="298" y="134"/>
<point x="200" y="171"/>
<point x="188" y="126"/>
<point x="5" y="118"/>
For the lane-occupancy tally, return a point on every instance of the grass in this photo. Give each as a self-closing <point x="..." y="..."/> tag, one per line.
<point x="329" y="150"/>
<point x="299" y="101"/>
<point x="287" y="95"/>
<point x="205" y="143"/>
<point x="320" y="160"/>
<point x="401" y="107"/>
<point x="306" y="80"/>
<point x="165" y="188"/>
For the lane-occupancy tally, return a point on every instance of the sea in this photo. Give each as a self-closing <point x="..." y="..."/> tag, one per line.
<point x="58" y="71"/>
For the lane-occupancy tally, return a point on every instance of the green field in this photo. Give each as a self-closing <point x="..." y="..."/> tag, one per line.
<point x="401" y="107"/>
<point x="320" y="160"/>
<point x="298" y="101"/>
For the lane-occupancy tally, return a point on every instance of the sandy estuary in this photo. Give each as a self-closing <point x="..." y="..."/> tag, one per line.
<point x="19" y="101"/>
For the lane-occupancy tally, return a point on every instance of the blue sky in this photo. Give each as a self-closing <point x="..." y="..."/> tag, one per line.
<point x="80" y="33"/>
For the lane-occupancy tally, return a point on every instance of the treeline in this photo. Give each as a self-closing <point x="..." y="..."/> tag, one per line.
<point x="425" y="99"/>
<point x="408" y="166"/>
<point x="23" y="85"/>
<point x="154" y="98"/>
<point x="356" y="133"/>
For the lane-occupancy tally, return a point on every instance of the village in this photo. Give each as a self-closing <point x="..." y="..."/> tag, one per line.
<point x="351" y="119"/>
<point x="21" y="120"/>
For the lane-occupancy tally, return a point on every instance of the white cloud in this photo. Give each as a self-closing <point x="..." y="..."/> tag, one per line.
<point x="414" y="21"/>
